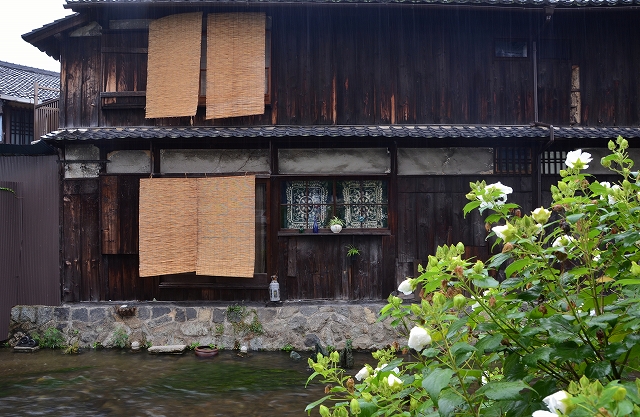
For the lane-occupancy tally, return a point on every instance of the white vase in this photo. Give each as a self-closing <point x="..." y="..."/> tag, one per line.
<point x="336" y="228"/>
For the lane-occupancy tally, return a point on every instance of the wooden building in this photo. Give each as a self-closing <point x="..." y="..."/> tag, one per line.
<point x="202" y="142"/>
<point x="27" y="94"/>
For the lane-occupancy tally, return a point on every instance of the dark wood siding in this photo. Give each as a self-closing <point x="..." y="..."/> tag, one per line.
<point x="381" y="65"/>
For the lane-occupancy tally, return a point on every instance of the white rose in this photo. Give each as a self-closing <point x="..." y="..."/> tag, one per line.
<point x="362" y="374"/>
<point x="418" y="338"/>
<point x="555" y="402"/>
<point x="578" y="159"/>
<point x="406" y="286"/>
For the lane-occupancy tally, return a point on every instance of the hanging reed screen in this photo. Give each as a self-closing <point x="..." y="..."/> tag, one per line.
<point x="235" y="64"/>
<point x="226" y="226"/>
<point x="206" y="225"/>
<point x="173" y="68"/>
<point x="168" y="226"/>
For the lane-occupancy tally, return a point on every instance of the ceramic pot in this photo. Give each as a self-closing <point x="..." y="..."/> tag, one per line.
<point x="336" y="228"/>
<point x="205" y="351"/>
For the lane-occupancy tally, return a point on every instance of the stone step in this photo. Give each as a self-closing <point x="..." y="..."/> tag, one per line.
<point x="171" y="349"/>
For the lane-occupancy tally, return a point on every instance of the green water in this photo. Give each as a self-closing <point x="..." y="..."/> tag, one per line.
<point x="122" y="383"/>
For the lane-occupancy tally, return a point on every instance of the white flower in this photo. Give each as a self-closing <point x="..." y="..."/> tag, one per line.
<point x="504" y="189"/>
<point x="541" y="215"/>
<point x="555" y="402"/>
<point x="578" y="159"/>
<point x="506" y="232"/>
<point x="543" y="413"/>
<point x="488" y="201"/>
<point x="362" y="374"/>
<point x="418" y="338"/>
<point x="562" y="242"/>
<point x="406" y="286"/>
<point x="394" y="381"/>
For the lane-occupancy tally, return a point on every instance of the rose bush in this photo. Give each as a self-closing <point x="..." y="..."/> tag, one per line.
<point x="564" y="319"/>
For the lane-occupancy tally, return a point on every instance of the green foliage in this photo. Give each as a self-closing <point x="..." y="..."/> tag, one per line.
<point x="564" y="316"/>
<point x="219" y="329"/>
<point x="352" y="250"/>
<point x="7" y="189"/>
<point x="238" y="315"/>
<point x="120" y="338"/>
<point x="97" y="345"/>
<point x="335" y="220"/>
<point x="287" y="348"/>
<point x="52" y="338"/>
<point x="193" y="345"/>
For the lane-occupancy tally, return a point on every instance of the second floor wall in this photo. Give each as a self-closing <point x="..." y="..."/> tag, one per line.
<point x="387" y="64"/>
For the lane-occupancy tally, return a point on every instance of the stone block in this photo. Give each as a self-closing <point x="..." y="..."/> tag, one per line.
<point x="159" y="311"/>
<point x="80" y="314"/>
<point x="172" y="349"/>
<point x="144" y="313"/>
<point x="194" y="329"/>
<point x="61" y="313"/>
<point x="191" y="313"/>
<point x="28" y="313"/>
<point x="97" y="314"/>
<point x="181" y="316"/>
<point x="44" y="315"/>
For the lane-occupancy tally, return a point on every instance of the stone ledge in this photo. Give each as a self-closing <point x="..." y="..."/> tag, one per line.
<point x="172" y="349"/>
<point x="186" y="323"/>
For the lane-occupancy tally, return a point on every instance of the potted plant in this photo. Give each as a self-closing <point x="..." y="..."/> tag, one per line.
<point x="352" y="251"/>
<point x="335" y="224"/>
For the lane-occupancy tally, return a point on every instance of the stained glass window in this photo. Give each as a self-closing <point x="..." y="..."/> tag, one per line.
<point x="360" y="204"/>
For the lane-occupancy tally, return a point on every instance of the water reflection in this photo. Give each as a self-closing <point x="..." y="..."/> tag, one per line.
<point x="119" y="383"/>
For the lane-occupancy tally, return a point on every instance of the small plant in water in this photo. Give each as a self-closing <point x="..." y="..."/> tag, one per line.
<point x="120" y="338"/>
<point x="96" y="345"/>
<point x="287" y="347"/>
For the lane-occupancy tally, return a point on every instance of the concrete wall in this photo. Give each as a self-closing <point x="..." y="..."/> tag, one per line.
<point x="300" y="324"/>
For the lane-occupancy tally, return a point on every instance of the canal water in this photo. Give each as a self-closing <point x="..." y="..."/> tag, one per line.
<point x="114" y="382"/>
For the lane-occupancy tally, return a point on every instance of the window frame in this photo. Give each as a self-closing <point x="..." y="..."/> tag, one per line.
<point x="336" y="206"/>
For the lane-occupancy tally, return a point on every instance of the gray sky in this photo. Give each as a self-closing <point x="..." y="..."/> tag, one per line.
<point x="20" y="17"/>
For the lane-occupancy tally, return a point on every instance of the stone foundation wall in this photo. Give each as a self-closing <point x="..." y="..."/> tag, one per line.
<point x="298" y="324"/>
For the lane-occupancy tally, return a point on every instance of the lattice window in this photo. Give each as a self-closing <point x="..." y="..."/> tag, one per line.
<point x="361" y="204"/>
<point x="21" y="126"/>
<point x="552" y="162"/>
<point x="513" y="161"/>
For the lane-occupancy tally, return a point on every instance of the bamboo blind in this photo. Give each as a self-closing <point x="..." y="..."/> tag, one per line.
<point x="206" y="225"/>
<point x="226" y="226"/>
<point x="235" y="64"/>
<point x="173" y="68"/>
<point x="168" y="227"/>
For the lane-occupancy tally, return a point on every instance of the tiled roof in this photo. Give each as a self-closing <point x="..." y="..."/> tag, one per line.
<point x="561" y="3"/>
<point x="392" y="131"/>
<point x="17" y="81"/>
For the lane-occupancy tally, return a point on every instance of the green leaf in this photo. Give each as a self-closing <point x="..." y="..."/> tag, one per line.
<point x="318" y="402"/>
<point x="470" y="207"/>
<point x="489" y="343"/>
<point x="503" y="390"/>
<point x="540" y="354"/>
<point x="497" y="260"/>
<point x="455" y="327"/>
<point x="614" y="351"/>
<point x="486" y="282"/>
<point x="598" y="370"/>
<point x="366" y="408"/>
<point x="448" y="402"/>
<point x="517" y="266"/>
<point x="435" y="381"/>
<point x="572" y="218"/>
